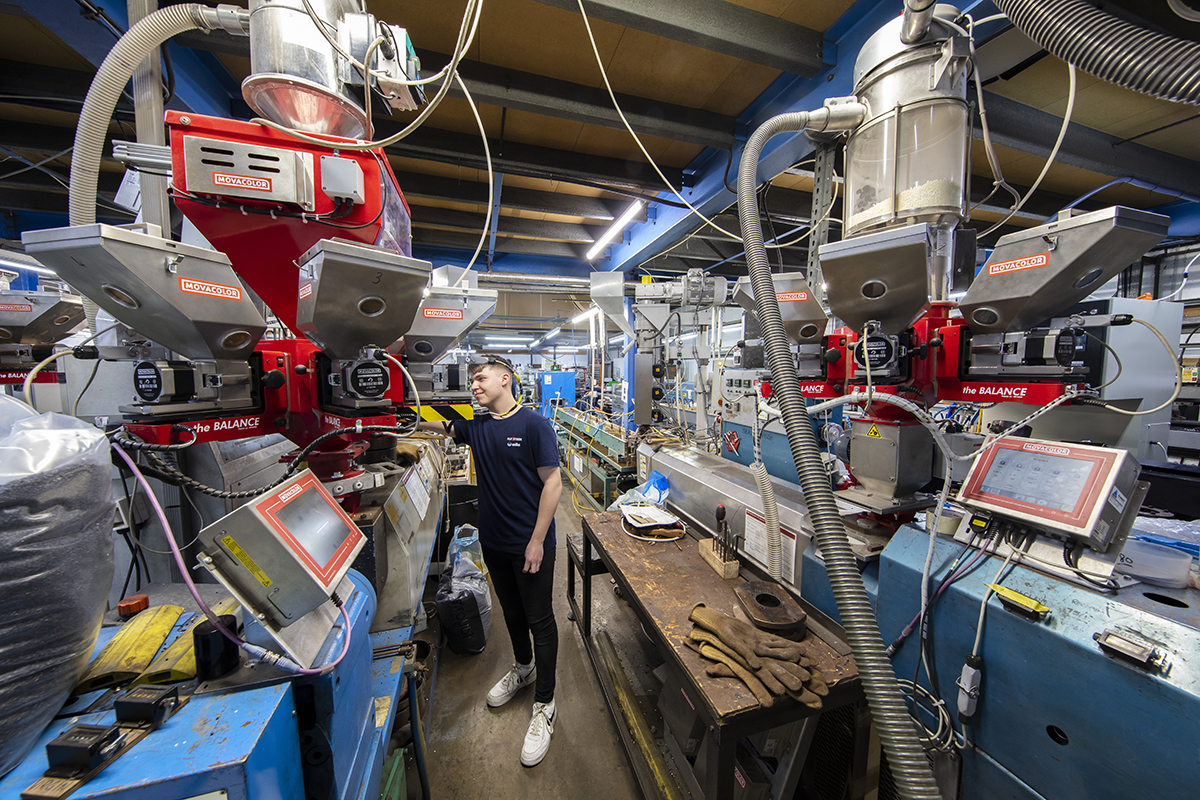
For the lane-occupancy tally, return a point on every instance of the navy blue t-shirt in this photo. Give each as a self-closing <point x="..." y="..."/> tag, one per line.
<point x="507" y="455"/>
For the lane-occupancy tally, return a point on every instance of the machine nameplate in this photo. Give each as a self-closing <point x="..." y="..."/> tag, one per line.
<point x="442" y="313"/>
<point x="241" y="182"/>
<point x="247" y="562"/>
<point x="220" y="290"/>
<point x="15" y="307"/>
<point x="1013" y="265"/>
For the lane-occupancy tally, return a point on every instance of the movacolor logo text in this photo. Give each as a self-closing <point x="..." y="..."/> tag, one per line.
<point x="442" y="313"/>
<point x="791" y="297"/>
<point x="211" y="289"/>
<point x="289" y="493"/>
<point x="15" y="307"/>
<point x="241" y="182"/>
<point x="305" y="291"/>
<point x="1045" y="448"/>
<point x="1028" y="262"/>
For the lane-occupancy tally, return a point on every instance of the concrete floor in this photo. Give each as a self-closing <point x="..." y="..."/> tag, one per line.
<point x="474" y="751"/>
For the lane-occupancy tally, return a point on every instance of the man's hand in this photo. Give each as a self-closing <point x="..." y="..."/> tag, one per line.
<point x="533" y="557"/>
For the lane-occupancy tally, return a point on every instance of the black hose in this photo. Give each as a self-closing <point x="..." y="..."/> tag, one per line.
<point x="906" y="757"/>
<point x="1112" y="49"/>
<point x="414" y="720"/>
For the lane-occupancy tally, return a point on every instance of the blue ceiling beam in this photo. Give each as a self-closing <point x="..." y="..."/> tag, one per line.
<point x="788" y="93"/>
<point x="202" y="85"/>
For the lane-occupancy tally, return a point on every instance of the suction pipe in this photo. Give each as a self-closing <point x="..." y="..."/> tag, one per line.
<point x="1110" y="48"/>
<point x="138" y="43"/>
<point x="906" y="758"/>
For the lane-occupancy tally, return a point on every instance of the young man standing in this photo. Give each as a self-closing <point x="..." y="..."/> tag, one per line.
<point x="516" y="464"/>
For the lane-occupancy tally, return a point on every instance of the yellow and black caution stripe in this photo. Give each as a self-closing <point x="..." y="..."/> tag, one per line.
<point x="446" y="412"/>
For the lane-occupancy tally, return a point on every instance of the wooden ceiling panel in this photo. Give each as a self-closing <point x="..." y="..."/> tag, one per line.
<point x="619" y="144"/>
<point x="525" y="126"/>
<point x="532" y="37"/>
<point x="663" y="69"/>
<point x="402" y="165"/>
<point x="1022" y="169"/>
<point x="27" y="40"/>
<point x="815" y="14"/>
<point x="431" y="26"/>
<point x="728" y="97"/>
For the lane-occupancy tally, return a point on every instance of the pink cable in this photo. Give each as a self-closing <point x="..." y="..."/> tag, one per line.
<point x="187" y="578"/>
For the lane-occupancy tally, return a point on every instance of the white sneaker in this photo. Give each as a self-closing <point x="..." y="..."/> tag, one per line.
<point x="537" y="739"/>
<point x="513" y="681"/>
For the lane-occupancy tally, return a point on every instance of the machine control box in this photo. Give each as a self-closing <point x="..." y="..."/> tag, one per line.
<point x="1075" y="491"/>
<point x="283" y="553"/>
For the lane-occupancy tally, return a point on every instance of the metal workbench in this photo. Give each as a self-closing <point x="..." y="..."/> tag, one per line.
<point x="663" y="581"/>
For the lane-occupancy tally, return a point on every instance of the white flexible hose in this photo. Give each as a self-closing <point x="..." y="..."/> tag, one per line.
<point x="771" y="514"/>
<point x="135" y="46"/>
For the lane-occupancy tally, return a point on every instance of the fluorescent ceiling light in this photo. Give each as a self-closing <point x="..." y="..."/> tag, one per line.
<point x="614" y="230"/>
<point x="582" y="317"/>
<point x="518" y="339"/>
<point x="552" y="334"/>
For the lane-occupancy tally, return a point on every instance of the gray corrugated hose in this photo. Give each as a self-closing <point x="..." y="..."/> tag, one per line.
<point x="909" y="767"/>
<point x="1112" y="49"/>
<point x="130" y="50"/>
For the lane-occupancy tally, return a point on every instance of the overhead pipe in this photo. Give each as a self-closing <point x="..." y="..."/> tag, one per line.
<point x="918" y="14"/>
<point x="1110" y="48"/>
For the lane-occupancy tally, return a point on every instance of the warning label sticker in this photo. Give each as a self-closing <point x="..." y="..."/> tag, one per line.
<point x="247" y="562"/>
<point x="874" y="432"/>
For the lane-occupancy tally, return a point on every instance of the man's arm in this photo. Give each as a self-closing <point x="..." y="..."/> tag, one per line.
<point x="551" y="491"/>
<point x="435" y="427"/>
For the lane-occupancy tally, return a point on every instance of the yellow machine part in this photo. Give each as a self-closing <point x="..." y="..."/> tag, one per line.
<point x="131" y="650"/>
<point x="178" y="661"/>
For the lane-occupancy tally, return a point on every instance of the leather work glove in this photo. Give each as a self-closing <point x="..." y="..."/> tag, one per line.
<point x="747" y="640"/>
<point x="722" y="670"/>
<point x="699" y="634"/>
<point x="736" y="670"/>
<point x="793" y="676"/>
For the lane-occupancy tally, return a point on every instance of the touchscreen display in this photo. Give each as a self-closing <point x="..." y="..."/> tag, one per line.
<point x="1054" y="482"/>
<point x="315" y="525"/>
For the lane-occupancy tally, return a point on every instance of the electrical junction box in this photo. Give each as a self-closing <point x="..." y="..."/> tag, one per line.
<point x="284" y="553"/>
<point x="343" y="178"/>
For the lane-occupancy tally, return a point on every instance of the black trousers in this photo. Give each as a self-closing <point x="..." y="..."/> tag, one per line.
<point x="527" y="603"/>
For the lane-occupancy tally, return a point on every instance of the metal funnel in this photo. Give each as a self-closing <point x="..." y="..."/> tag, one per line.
<point x="38" y="317"/>
<point x="608" y="292"/>
<point x="887" y="277"/>
<point x="186" y="298"/>
<point x="352" y="295"/>
<point x="803" y="317"/>
<point x="1034" y="274"/>
<point x="448" y="314"/>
